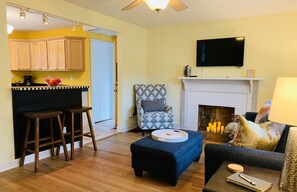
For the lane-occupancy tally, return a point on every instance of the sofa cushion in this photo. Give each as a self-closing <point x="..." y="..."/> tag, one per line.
<point x="263" y="113"/>
<point x="251" y="135"/>
<point x="153" y="105"/>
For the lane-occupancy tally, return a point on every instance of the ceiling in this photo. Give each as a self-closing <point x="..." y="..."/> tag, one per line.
<point x="198" y="11"/>
<point x="33" y="22"/>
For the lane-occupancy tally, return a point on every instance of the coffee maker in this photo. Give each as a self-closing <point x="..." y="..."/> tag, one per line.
<point x="28" y="80"/>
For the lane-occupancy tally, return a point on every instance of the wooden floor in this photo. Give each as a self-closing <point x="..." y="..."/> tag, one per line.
<point x="108" y="169"/>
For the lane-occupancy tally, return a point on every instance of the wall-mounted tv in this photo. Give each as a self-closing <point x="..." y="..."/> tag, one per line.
<point x="220" y="52"/>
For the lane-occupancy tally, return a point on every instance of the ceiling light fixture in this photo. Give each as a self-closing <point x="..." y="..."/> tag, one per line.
<point x="44" y="19"/>
<point x="22" y="13"/>
<point x="10" y="29"/>
<point x="157" y="5"/>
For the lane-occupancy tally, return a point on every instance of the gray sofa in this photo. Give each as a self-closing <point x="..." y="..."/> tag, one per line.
<point x="215" y="154"/>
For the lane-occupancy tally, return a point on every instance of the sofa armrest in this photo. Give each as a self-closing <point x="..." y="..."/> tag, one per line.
<point x="215" y="154"/>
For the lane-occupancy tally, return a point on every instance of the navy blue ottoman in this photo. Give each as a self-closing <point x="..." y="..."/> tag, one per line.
<point x="166" y="159"/>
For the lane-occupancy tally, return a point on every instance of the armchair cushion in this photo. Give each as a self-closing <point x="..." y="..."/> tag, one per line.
<point x="153" y="105"/>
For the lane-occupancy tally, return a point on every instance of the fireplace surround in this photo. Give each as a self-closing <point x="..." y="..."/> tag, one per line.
<point x="238" y="92"/>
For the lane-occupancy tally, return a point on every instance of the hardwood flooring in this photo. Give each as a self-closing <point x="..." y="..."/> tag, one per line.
<point x="108" y="169"/>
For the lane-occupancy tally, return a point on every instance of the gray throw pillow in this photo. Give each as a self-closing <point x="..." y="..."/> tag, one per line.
<point x="155" y="105"/>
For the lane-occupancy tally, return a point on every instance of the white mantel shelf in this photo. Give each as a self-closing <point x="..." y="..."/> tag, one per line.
<point x="238" y="92"/>
<point x="221" y="78"/>
<point x="250" y="79"/>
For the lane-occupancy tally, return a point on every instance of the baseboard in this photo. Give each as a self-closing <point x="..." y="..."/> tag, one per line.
<point x="30" y="158"/>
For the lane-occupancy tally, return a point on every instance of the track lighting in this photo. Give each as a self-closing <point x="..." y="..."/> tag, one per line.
<point x="44" y="19"/>
<point x="22" y="13"/>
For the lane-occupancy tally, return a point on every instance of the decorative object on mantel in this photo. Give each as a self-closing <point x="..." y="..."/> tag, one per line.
<point x="283" y="110"/>
<point x="187" y="71"/>
<point x="250" y="73"/>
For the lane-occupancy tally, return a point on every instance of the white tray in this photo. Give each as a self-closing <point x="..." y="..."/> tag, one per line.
<point x="170" y="135"/>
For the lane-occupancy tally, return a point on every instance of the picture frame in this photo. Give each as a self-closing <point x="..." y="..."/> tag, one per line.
<point x="250" y="73"/>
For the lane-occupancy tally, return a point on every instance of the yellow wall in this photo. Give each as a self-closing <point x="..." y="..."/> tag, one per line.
<point x="6" y="136"/>
<point x="270" y="49"/>
<point x="131" y="51"/>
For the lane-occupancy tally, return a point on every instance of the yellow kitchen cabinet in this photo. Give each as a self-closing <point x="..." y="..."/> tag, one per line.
<point x="38" y="50"/>
<point x="19" y="55"/>
<point x="56" y="54"/>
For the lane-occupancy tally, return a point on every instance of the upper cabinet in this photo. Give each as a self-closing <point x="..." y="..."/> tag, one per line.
<point x="58" y="54"/>
<point x="74" y="53"/>
<point x="38" y="50"/>
<point x="19" y="55"/>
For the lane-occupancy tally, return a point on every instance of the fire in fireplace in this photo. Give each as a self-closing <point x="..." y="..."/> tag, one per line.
<point x="208" y="114"/>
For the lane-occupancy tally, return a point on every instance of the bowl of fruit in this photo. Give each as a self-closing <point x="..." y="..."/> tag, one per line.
<point x="53" y="82"/>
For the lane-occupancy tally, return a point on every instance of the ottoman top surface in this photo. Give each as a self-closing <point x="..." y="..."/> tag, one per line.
<point x="148" y="145"/>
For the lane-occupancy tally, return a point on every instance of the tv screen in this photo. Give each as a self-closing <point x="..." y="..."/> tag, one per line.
<point x="220" y="52"/>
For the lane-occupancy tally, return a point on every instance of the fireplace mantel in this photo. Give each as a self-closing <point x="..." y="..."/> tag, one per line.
<point x="251" y="80"/>
<point x="238" y="92"/>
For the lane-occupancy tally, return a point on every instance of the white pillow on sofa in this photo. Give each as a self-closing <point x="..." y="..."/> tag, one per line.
<point x="253" y="135"/>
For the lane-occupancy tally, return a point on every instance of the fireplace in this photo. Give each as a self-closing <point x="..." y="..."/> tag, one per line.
<point x="239" y="93"/>
<point x="218" y="115"/>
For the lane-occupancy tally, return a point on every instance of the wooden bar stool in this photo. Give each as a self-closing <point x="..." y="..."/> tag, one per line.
<point x="45" y="141"/>
<point x="79" y="133"/>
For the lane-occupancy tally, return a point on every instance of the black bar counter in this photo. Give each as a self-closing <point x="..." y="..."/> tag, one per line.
<point x="42" y="98"/>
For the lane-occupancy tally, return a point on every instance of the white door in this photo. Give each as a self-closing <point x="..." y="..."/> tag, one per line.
<point x="102" y="58"/>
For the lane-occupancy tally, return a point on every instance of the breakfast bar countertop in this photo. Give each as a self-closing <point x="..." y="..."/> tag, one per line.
<point x="40" y="88"/>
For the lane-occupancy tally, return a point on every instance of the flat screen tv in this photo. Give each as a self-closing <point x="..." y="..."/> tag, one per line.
<point x="220" y="52"/>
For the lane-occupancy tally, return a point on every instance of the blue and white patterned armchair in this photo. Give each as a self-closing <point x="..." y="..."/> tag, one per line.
<point x="153" y="119"/>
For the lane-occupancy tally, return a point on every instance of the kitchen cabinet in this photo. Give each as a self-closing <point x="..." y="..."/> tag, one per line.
<point x="38" y="50"/>
<point x="66" y="54"/>
<point x="19" y="52"/>
<point x="74" y="53"/>
<point x="56" y="54"/>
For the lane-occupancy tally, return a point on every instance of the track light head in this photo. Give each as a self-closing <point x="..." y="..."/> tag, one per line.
<point x="73" y="26"/>
<point x="22" y="13"/>
<point x="44" y="19"/>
